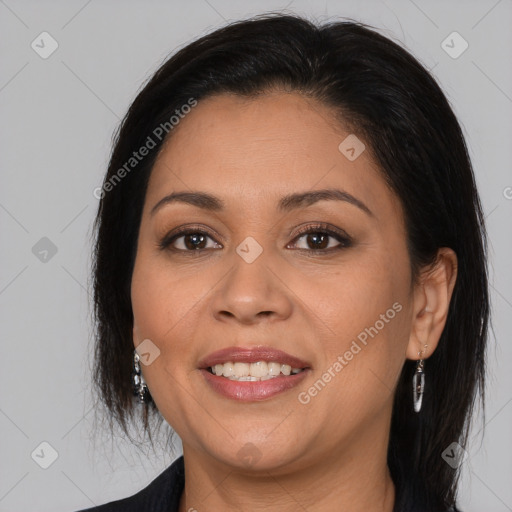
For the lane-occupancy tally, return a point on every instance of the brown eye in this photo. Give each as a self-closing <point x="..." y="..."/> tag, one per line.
<point x="318" y="239"/>
<point x="194" y="241"/>
<point x="188" y="241"/>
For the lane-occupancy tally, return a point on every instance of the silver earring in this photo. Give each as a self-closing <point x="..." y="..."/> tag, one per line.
<point x="140" y="388"/>
<point x="418" y="381"/>
<point x="418" y="385"/>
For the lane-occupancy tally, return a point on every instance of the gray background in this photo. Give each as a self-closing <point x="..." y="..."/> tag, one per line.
<point x="58" y="116"/>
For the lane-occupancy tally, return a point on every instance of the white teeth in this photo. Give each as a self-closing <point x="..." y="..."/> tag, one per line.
<point x="274" y="368"/>
<point x="261" y="370"/>
<point x="286" y="369"/>
<point x="241" y="370"/>
<point x="228" y="371"/>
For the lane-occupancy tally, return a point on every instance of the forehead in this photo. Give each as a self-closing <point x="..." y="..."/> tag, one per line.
<point x="254" y="149"/>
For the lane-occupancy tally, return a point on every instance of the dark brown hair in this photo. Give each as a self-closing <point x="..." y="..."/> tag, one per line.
<point x="391" y="102"/>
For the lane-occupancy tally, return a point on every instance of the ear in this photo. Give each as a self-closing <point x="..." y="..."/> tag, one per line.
<point x="431" y="302"/>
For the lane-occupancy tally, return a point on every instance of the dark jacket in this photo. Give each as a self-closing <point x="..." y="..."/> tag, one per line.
<point x="161" y="495"/>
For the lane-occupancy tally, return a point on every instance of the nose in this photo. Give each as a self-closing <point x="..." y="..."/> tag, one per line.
<point x="252" y="292"/>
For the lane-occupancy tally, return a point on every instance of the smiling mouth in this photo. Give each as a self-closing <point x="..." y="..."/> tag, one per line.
<point x="253" y="372"/>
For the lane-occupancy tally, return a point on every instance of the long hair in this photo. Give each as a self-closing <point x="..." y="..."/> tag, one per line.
<point x="389" y="100"/>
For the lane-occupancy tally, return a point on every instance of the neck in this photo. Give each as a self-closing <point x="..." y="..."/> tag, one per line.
<point x="355" y="478"/>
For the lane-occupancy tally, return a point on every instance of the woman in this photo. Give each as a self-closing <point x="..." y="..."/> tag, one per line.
<point x="290" y="270"/>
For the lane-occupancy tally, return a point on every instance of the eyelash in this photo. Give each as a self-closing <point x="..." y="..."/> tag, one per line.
<point x="323" y="229"/>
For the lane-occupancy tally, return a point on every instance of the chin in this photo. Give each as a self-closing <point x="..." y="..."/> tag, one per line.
<point x="257" y="456"/>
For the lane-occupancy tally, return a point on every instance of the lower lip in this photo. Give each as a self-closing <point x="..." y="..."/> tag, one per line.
<point x="253" y="391"/>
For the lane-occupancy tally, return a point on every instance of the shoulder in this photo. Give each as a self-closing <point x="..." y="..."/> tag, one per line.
<point x="162" y="494"/>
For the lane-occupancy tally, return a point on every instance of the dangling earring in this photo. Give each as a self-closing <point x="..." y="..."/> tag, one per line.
<point x="140" y="388"/>
<point x="418" y="383"/>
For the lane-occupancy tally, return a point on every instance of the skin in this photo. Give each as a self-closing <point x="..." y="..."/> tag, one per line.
<point x="328" y="454"/>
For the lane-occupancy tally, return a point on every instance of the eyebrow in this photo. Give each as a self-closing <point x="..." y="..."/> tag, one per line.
<point x="286" y="204"/>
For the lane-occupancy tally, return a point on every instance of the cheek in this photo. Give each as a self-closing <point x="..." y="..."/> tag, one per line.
<point x="354" y="298"/>
<point x="163" y="301"/>
<point x="365" y="306"/>
<point x="165" y="305"/>
<point x="168" y="304"/>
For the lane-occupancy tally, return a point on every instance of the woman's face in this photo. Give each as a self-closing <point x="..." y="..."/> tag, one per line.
<point x="247" y="276"/>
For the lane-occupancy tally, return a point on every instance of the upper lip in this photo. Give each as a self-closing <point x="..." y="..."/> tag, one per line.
<point x="251" y="355"/>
